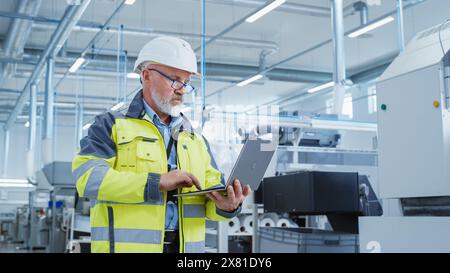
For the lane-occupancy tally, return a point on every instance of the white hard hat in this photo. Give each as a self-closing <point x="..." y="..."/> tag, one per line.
<point x="169" y="51"/>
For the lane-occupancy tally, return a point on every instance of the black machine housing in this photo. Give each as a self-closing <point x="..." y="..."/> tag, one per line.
<point x="341" y="196"/>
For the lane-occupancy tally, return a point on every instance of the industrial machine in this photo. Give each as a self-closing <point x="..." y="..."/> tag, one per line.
<point x="414" y="150"/>
<point x="309" y="137"/>
<point x="14" y="199"/>
<point x="312" y="137"/>
<point x="61" y="208"/>
<point x="54" y="213"/>
<point x="341" y="196"/>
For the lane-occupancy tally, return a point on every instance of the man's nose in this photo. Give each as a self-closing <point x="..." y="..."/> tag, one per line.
<point x="179" y="92"/>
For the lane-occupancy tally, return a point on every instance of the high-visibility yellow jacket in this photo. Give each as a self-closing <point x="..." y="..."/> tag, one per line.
<point x="118" y="169"/>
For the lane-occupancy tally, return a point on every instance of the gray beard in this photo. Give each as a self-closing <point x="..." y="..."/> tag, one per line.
<point x="165" y="106"/>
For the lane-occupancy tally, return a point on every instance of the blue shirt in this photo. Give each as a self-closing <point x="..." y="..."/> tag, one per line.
<point x="166" y="132"/>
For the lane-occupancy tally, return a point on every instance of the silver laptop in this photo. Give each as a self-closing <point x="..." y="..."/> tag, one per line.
<point x="249" y="168"/>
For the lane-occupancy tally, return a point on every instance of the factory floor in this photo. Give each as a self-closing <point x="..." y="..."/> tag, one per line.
<point x="6" y="247"/>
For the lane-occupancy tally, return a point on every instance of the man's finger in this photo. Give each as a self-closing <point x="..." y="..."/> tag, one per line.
<point x="247" y="190"/>
<point x="195" y="181"/>
<point x="211" y="196"/>
<point x="231" y="194"/>
<point x="187" y="178"/>
<point x="218" y="197"/>
<point x="187" y="181"/>
<point x="238" y="189"/>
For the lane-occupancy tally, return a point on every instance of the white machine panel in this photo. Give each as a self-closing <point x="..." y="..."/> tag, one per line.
<point x="424" y="50"/>
<point x="412" y="136"/>
<point x="404" y="234"/>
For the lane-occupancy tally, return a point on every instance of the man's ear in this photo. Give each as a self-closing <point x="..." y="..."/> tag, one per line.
<point x="145" y="76"/>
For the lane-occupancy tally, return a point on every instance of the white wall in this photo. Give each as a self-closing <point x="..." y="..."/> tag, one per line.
<point x="2" y="150"/>
<point x="18" y="145"/>
<point x="64" y="147"/>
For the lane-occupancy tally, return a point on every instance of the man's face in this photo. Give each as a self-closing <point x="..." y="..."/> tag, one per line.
<point x="157" y="85"/>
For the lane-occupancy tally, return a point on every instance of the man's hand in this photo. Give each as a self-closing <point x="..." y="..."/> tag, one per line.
<point x="177" y="179"/>
<point x="234" y="198"/>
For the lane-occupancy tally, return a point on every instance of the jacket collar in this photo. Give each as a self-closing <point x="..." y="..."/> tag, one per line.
<point x="137" y="110"/>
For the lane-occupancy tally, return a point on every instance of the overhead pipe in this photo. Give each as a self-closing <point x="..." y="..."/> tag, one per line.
<point x="263" y="60"/>
<point x="339" y="75"/>
<point x="70" y="17"/>
<point x="66" y="112"/>
<point x="287" y="7"/>
<point x="49" y="99"/>
<point x="355" y="78"/>
<point x="12" y="35"/>
<point x="96" y="38"/>
<point x="18" y="33"/>
<point x="62" y="95"/>
<point x="31" y="152"/>
<point x="304" y="121"/>
<point x="230" y="28"/>
<point x="202" y="66"/>
<point x="106" y="75"/>
<point x="214" y="69"/>
<point x="33" y="114"/>
<point x="375" y="70"/>
<point x="317" y="46"/>
<point x="47" y="141"/>
<point x="79" y="124"/>
<point x="5" y="153"/>
<point x="363" y="10"/>
<point x="23" y="16"/>
<point x="279" y="74"/>
<point x="130" y="31"/>
<point x="121" y="68"/>
<point x="400" y="26"/>
<point x="69" y="105"/>
<point x="25" y="29"/>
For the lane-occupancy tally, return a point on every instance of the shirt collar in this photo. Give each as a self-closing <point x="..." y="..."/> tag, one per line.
<point x="175" y="121"/>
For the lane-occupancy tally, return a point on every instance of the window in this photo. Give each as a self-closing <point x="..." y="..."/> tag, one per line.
<point x="372" y="99"/>
<point x="347" y="108"/>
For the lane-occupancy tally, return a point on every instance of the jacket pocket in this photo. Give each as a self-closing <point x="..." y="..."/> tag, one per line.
<point x="134" y="151"/>
<point x="148" y="156"/>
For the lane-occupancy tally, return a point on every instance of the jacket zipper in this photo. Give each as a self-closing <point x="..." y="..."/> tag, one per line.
<point x="111" y="229"/>
<point x="165" y="199"/>
<point x="180" y="208"/>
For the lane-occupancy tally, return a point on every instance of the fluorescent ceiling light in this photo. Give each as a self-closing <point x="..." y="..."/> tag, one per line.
<point x="343" y="125"/>
<point x="321" y="87"/>
<point x="260" y="13"/>
<point x="371" y="27"/>
<point x="13" y="181"/>
<point x="14" y="185"/>
<point x="85" y="127"/>
<point x="252" y="79"/>
<point x="133" y="76"/>
<point x="117" y="106"/>
<point x="76" y="65"/>
<point x="27" y="124"/>
<point x="129" y="2"/>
